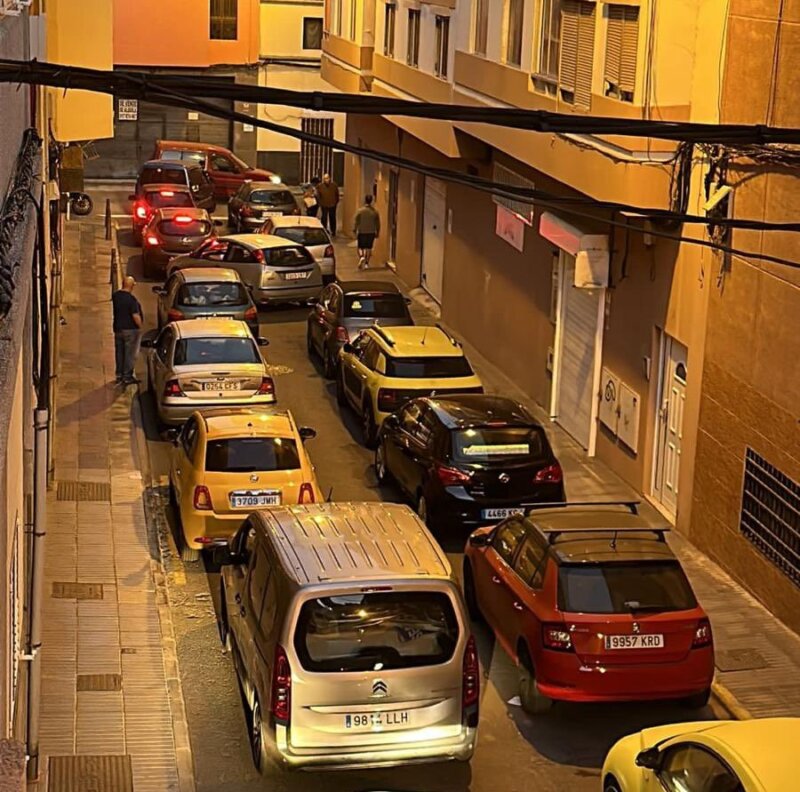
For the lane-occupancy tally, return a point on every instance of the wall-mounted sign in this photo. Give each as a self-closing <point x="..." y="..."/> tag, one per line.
<point x="128" y="110"/>
<point x="193" y="116"/>
<point x="510" y="228"/>
<point x="247" y="127"/>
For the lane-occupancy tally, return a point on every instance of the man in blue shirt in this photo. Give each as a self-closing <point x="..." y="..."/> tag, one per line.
<point x="127" y="331"/>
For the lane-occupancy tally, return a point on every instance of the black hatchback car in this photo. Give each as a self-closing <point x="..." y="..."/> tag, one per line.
<point x="468" y="460"/>
<point x="255" y="202"/>
<point x="181" y="173"/>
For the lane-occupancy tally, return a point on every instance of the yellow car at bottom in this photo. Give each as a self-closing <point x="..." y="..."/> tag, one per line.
<point x="756" y="755"/>
<point x="227" y="463"/>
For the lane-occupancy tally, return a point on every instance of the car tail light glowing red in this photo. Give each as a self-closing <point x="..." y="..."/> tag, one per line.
<point x="251" y="313"/>
<point x="549" y="475"/>
<point x="470" y="679"/>
<point x="258" y="255"/>
<point x="342" y="335"/>
<point x="306" y="493"/>
<point x="183" y="219"/>
<point x="329" y="252"/>
<point x="173" y="315"/>
<point x="202" y="499"/>
<point x="168" y="193"/>
<point x="702" y="635"/>
<point x="556" y="636"/>
<point x="281" y="687"/>
<point x="141" y="211"/>
<point x="151" y="240"/>
<point x="450" y="477"/>
<point x="172" y="388"/>
<point x="266" y="387"/>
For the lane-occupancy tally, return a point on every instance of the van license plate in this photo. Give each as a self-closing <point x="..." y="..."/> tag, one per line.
<point x="634" y="641"/>
<point x="499" y="514"/>
<point x="364" y="721"/>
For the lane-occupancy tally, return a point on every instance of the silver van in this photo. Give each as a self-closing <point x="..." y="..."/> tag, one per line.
<point x="350" y="638"/>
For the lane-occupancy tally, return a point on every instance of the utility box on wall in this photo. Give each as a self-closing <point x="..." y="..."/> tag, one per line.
<point x="619" y="409"/>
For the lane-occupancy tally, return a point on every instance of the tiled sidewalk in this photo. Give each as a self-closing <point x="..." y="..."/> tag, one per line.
<point x="758" y="658"/>
<point x="105" y="691"/>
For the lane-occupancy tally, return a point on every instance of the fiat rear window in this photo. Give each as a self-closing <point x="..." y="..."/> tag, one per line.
<point x="252" y="454"/>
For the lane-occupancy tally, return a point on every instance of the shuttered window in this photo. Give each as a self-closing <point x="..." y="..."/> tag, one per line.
<point x="621" y="46"/>
<point x="412" y="48"/>
<point x="388" y="29"/>
<point x="442" y="46"/>
<point x="223" y="14"/>
<point x="577" y="52"/>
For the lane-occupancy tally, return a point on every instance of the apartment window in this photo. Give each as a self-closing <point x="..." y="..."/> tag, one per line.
<point x="224" y="19"/>
<point x="481" y="27"/>
<point x="353" y="19"/>
<point x="514" y="13"/>
<point x="621" y="44"/>
<point x="442" y="46"/>
<point x="337" y="17"/>
<point x="546" y="77"/>
<point x="312" y="32"/>
<point x="577" y="52"/>
<point x="389" y="21"/>
<point x="412" y="53"/>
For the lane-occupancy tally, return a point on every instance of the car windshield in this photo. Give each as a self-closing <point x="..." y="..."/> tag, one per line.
<point x="270" y="197"/>
<point x="428" y="367"/>
<point x="187" y="227"/>
<point x="164" y="199"/>
<point x="626" y="587"/>
<point x="506" y="444"/>
<point x="180" y="154"/>
<point x="162" y="176"/>
<point x="381" y="306"/>
<point x="376" y="631"/>
<point x="287" y="257"/>
<point x="216" y="351"/>
<point x="303" y="236"/>
<point x="250" y="454"/>
<point x="198" y="295"/>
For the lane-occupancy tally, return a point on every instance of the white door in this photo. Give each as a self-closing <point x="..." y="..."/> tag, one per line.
<point x="578" y="353"/>
<point x="669" y="423"/>
<point x="433" y="219"/>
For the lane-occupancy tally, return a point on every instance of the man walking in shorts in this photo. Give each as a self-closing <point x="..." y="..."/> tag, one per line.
<point x="367" y="227"/>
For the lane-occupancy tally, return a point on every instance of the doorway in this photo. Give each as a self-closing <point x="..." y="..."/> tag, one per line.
<point x="394" y="181"/>
<point x="669" y="423"/>
<point x="433" y="219"/>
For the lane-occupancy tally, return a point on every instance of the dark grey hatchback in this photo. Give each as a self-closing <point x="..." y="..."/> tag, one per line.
<point x="257" y="201"/>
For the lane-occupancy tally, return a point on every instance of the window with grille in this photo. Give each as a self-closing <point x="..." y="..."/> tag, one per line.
<point x="481" y="27"/>
<point x="577" y="52"/>
<point x="546" y="77"/>
<point x="389" y="21"/>
<point x="412" y="50"/>
<point x="224" y="19"/>
<point x="514" y="14"/>
<point x="622" y="42"/>
<point x="312" y="32"/>
<point x="442" y="46"/>
<point x="770" y="516"/>
<point x="505" y="176"/>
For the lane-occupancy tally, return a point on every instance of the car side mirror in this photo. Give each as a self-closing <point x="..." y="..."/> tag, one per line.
<point x="348" y="347"/>
<point x="480" y="539"/>
<point x="262" y="342"/>
<point x="391" y="421"/>
<point x="223" y="555"/>
<point x="407" y="300"/>
<point x="650" y="759"/>
<point x="132" y="197"/>
<point x="160" y="290"/>
<point x="307" y="433"/>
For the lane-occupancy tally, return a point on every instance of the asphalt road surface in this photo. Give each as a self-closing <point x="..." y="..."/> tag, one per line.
<point x="562" y="750"/>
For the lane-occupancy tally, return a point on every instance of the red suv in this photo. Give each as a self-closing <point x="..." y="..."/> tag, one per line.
<point x="592" y="605"/>
<point x="225" y="169"/>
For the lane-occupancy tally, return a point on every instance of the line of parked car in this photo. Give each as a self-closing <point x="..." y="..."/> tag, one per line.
<point x="345" y="621"/>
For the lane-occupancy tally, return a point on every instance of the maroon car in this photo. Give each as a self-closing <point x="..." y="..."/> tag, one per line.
<point x="171" y="232"/>
<point x="153" y="197"/>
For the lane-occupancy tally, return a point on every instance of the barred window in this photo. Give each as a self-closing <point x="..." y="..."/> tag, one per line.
<point x="505" y="176"/>
<point x="224" y="19"/>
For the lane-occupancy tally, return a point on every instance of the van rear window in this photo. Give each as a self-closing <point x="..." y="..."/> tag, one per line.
<point x="184" y="227"/>
<point x="162" y="176"/>
<point x="376" y="631"/>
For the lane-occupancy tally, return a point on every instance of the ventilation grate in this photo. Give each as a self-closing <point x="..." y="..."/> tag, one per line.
<point x="78" y="591"/>
<point x="84" y="491"/>
<point x="770" y="517"/>
<point x="90" y="774"/>
<point x="99" y="682"/>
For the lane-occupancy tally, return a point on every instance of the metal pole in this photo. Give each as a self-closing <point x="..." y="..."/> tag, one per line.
<point x="41" y="421"/>
<point x="108" y="218"/>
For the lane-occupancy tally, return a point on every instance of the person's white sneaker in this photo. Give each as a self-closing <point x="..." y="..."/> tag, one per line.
<point x="362" y="262"/>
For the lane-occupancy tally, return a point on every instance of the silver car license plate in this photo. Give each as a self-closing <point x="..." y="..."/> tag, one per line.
<point x="366" y="721"/>
<point x="222" y="386"/>
<point x="296" y="275"/>
<point x="254" y="499"/>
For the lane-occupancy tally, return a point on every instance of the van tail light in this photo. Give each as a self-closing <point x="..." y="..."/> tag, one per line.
<point x="329" y="252"/>
<point x="251" y="313"/>
<point x="172" y="388"/>
<point x="702" y="634"/>
<point x="470" y="683"/>
<point x="202" y="499"/>
<point x="281" y="687"/>
<point x="141" y="212"/>
<point x="151" y="240"/>
<point x="549" y="475"/>
<point x="556" y="636"/>
<point x="266" y="387"/>
<point x="306" y="493"/>
<point x="173" y="315"/>
<point x="342" y="335"/>
<point x="450" y="477"/>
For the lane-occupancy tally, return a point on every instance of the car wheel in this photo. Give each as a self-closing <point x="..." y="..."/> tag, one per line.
<point x="698" y="700"/>
<point x="381" y="471"/>
<point x="469" y="594"/>
<point x="341" y="398"/>
<point x="257" y="737"/>
<point x="422" y="509"/>
<point x="611" y="785"/>
<point x="533" y="702"/>
<point x="222" y="621"/>
<point x="368" y="426"/>
<point x="309" y="343"/>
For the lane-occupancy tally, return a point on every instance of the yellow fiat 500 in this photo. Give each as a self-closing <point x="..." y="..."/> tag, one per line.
<point x="227" y="463"/>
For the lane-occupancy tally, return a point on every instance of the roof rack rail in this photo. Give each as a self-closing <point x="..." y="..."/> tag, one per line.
<point x="632" y="506"/>
<point x="555" y="534"/>
<point x="454" y="341"/>
<point x="383" y="334"/>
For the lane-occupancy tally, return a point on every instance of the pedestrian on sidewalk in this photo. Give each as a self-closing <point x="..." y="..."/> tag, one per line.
<point x="310" y="197"/>
<point x="328" y="199"/>
<point x="366" y="227"/>
<point x="128" y="318"/>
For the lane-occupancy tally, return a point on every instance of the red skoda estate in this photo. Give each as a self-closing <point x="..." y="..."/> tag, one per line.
<point x="592" y="605"/>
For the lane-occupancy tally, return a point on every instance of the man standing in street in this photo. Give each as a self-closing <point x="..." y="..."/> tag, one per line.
<point x="366" y="227"/>
<point x="328" y="198"/>
<point x="127" y="330"/>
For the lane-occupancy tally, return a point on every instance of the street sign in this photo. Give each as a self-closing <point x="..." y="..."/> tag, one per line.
<point x="128" y="110"/>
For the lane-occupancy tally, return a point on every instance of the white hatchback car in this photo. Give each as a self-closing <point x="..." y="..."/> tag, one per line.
<point x="306" y="231"/>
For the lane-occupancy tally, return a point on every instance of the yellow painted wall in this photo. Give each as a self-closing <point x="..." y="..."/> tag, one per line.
<point x="80" y="33"/>
<point x="281" y="26"/>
